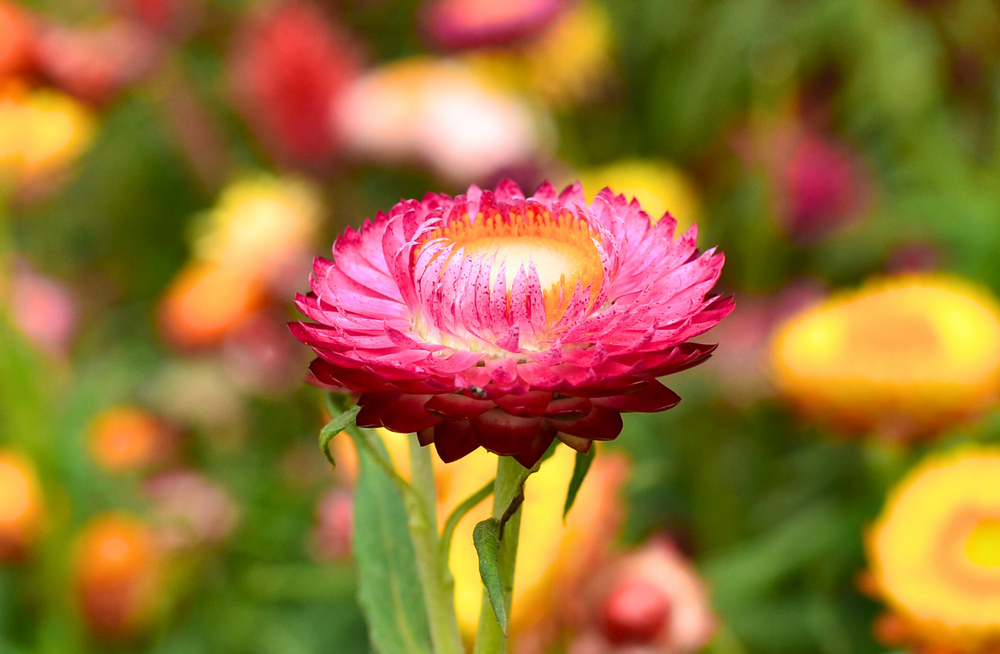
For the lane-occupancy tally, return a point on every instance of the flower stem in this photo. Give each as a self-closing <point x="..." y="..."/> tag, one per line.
<point x="490" y="639"/>
<point x="435" y="575"/>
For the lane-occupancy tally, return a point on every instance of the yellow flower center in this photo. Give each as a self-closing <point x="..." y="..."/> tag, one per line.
<point x="983" y="544"/>
<point x="561" y="247"/>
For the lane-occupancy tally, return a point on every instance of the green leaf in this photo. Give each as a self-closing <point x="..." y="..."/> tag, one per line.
<point x="389" y="589"/>
<point x="486" y="536"/>
<point x="580" y="470"/>
<point x="334" y="427"/>
<point x="460" y="512"/>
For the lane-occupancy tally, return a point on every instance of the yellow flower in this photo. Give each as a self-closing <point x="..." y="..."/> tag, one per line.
<point x="40" y="132"/>
<point x="906" y="356"/>
<point x="259" y="223"/>
<point x="935" y="551"/>
<point x="562" y="66"/>
<point x="658" y="186"/>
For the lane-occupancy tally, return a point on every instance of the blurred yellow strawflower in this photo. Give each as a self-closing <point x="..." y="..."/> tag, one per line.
<point x="905" y="356"/>
<point x="40" y="132"/>
<point x="935" y="553"/>
<point x="562" y="66"/>
<point x="258" y="223"/>
<point x="657" y="185"/>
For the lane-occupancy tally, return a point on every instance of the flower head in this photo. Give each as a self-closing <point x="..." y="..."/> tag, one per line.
<point x="935" y="552"/>
<point x="906" y="356"/>
<point x="288" y="69"/>
<point x="503" y="321"/>
<point x="20" y="505"/>
<point x="459" y="24"/>
<point x="437" y="112"/>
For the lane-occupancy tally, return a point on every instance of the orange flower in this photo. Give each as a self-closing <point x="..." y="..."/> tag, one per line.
<point x="20" y="505"/>
<point x="125" y="438"/>
<point x="935" y="553"/>
<point x="15" y="40"/>
<point x="906" y="356"/>
<point x="116" y="575"/>
<point x="205" y="302"/>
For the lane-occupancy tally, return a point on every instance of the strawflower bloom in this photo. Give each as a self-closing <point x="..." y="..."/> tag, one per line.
<point x="566" y="64"/>
<point x="15" y="40"/>
<point x="905" y="356"/>
<point x="438" y="112"/>
<point x="41" y="132"/>
<point x="415" y="314"/>
<point x="288" y="69"/>
<point x="20" y="505"/>
<point x="117" y="576"/>
<point x="126" y="438"/>
<point x="934" y="554"/>
<point x="459" y="24"/>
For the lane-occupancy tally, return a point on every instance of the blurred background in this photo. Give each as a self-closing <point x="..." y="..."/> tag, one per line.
<point x="168" y="169"/>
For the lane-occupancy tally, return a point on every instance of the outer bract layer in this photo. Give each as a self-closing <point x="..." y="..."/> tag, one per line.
<point x="495" y="320"/>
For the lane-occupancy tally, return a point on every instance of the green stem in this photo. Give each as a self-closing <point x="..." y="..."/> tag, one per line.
<point x="435" y="575"/>
<point x="490" y="639"/>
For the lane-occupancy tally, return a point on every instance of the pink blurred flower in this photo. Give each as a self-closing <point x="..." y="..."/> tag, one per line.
<point x="415" y="314"/>
<point x="334" y="525"/>
<point x="44" y="309"/>
<point x="94" y="64"/>
<point x="651" y="601"/>
<point x="15" y="40"/>
<point x="441" y="114"/>
<point x="260" y="356"/>
<point x="822" y="185"/>
<point x="288" y="69"/>
<point x="189" y="510"/>
<point x="460" y="24"/>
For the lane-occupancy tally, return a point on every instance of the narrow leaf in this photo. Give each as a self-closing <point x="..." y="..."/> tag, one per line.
<point x="580" y="470"/>
<point x="389" y="590"/>
<point x="486" y="536"/>
<point x="334" y="427"/>
<point x="460" y="512"/>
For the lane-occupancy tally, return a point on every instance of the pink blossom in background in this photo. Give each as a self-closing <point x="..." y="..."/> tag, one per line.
<point x="649" y="601"/>
<point x="415" y="314"/>
<point x="334" y="525"/>
<point x="189" y="510"/>
<point x="461" y="24"/>
<point x="288" y="69"/>
<point x="44" y="310"/>
<point x="438" y="113"/>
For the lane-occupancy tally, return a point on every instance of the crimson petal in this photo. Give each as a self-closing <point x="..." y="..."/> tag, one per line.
<point x="504" y="434"/>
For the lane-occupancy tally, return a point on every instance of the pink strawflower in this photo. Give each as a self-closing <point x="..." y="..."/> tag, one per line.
<point x="460" y="24"/>
<point x="500" y="321"/>
<point x="288" y="69"/>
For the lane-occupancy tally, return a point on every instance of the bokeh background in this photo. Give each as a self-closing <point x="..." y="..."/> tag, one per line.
<point x="168" y="169"/>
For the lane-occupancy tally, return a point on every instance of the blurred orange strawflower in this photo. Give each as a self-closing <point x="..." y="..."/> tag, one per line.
<point x="127" y="438"/>
<point x="116" y="575"/>
<point x="205" y="302"/>
<point x="934" y="553"/>
<point x="905" y="356"/>
<point x="20" y="505"/>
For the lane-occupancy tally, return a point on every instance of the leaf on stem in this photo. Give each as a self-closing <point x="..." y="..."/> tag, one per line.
<point x="334" y="427"/>
<point x="486" y="536"/>
<point x="389" y="590"/>
<point x="580" y="470"/>
<point x="460" y="512"/>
